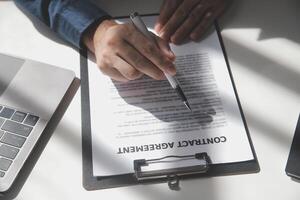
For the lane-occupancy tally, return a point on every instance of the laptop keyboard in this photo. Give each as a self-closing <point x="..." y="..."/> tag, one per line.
<point x="15" y="127"/>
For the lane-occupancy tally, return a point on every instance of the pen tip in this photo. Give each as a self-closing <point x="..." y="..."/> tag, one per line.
<point x="187" y="105"/>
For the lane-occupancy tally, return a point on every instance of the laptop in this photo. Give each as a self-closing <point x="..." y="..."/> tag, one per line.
<point x="30" y="93"/>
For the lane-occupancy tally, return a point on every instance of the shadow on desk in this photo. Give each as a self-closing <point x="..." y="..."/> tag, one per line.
<point x="205" y="188"/>
<point x="41" y="144"/>
<point x="270" y="17"/>
<point x="276" y="19"/>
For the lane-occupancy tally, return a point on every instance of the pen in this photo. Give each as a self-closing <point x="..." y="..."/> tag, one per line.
<point x="139" y="24"/>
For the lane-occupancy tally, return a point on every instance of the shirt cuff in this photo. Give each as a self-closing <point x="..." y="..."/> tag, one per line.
<point x="72" y="19"/>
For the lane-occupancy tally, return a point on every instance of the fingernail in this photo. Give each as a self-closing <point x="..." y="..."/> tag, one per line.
<point x="158" y="27"/>
<point x="161" y="33"/>
<point x="171" y="70"/>
<point x="193" y="36"/>
<point x="161" y="76"/>
<point x="176" y="40"/>
<point x="170" y="52"/>
<point x="171" y="55"/>
<point x="173" y="39"/>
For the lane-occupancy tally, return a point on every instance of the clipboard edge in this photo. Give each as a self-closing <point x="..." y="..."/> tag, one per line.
<point x="91" y="182"/>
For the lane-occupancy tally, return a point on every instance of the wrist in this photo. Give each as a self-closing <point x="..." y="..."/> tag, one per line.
<point x="96" y="31"/>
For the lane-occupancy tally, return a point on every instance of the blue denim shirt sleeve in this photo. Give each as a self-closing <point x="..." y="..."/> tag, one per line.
<point x="68" y="18"/>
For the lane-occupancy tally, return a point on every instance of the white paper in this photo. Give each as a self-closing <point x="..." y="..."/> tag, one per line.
<point x="145" y="119"/>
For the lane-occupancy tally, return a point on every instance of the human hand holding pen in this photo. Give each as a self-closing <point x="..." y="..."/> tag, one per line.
<point x="124" y="53"/>
<point x="141" y="26"/>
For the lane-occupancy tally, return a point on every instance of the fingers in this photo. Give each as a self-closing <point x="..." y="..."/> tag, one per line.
<point x="189" y="24"/>
<point x="202" y="26"/>
<point x="177" y="19"/>
<point x="127" y="70"/>
<point x="112" y="72"/>
<point x="190" y="19"/>
<point x="151" y="51"/>
<point x="124" y="54"/>
<point x="164" y="47"/>
<point x="137" y="63"/>
<point x="167" y="9"/>
<point x="213" y="11"/>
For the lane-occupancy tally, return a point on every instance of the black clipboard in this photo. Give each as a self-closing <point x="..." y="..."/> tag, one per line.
<point x="292" y="168"/>
<point x="206" y="169"/>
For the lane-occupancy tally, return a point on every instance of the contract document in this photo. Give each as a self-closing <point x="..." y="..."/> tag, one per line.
<point x="145" y="119"/>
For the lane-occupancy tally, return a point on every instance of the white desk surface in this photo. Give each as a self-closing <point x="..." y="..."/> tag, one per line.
<point x="262" y="39"/>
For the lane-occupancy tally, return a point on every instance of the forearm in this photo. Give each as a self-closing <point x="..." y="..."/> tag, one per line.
<point x="70" y="19"/>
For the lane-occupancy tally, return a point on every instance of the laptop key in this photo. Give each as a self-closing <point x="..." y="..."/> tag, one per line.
<point x="1" y="121"/>
<point x="1" y="133"/>
<point x="4" y="164"/>
<point x="31" y="120"/>
<point x="19" y="116"/>
<point x="13" y="140"/>
<point x="7" y="113"/>
<point x="17" y="128"/>
<point x="8" y="151"/>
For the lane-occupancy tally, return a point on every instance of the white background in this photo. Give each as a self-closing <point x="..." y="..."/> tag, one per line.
<point x="262" y="40"/>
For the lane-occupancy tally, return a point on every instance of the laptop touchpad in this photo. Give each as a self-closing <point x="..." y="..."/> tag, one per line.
<point x="9" y="66"/>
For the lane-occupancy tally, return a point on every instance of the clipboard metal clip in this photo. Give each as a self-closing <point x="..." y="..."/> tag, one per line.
<point x="149" y="169"/>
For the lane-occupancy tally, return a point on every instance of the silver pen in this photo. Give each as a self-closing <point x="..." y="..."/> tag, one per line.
<point x="140" y="25"/>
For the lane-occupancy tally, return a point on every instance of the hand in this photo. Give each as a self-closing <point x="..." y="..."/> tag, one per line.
<point x="124" y="53"/>
<point x="183" y="19"/>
